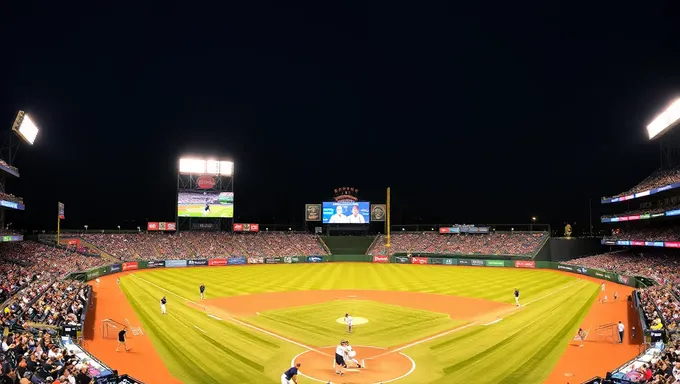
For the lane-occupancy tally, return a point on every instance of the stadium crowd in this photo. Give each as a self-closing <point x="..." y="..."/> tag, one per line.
<point x="498" y="243"/>
<point x="11" y="197"/>
<point x="660" y="178"/>
<point x="647" y="234"/>
<point x="660" y="301"/>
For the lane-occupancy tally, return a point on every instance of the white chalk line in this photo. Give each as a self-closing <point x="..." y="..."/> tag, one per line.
<point x="493" y="322"/>
<point x="200" y="329"/>
<point x="237" y="321"/>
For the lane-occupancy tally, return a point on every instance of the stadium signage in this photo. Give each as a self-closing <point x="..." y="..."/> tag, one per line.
<point x="161" y="226"/>
<point x="175" y="263"/>
<point x="11" y="204"/>
<point x="525" y="264"/>
<point x="234" y="261"/>
<point x="130" y="265"/>
<point x="272" y="260"/>
<point x="582" y="270"/>
<point x="672" y="244"/>
<point x="256" y="260"/>
<point x="436" y="260"/>
<point x="495" y="263"/>
<point x="155" y="264"/>
<point x="381" y="259"/>
<point x="622" y="279"/>
<point x="197" y="262"/>
<point x="205" y="182"/>
<point x="419" y="260"/>
<point x="314" y="259"/>
<point x="402" y="260"/>
<point x="477" y="263"/>
<point x="115" y="268"/>
<point x="217" y="262"/>
<point x="346" y="194"/>
<point x="239" y="227"/>
<point x="463" y="262"/>
<point x="565" y="267"/>
<point x="291" y="259"/>
<point x="449" y="261"/>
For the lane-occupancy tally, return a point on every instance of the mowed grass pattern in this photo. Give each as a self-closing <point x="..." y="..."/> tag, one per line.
<point x="522" y="348"/>
<point x="388" y="326"/>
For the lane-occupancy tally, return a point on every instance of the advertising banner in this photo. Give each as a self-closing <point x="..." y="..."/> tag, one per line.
<point x="565" y="267"/>
<point x="291" y="259"/>
<point x="436" y="260"/>
<point x="314" y="259"/>
<point x="195" y="263"/>
<point x="240" y="227"/>
<point x="449" y="261"/>
<point x="381" y="259"/>
<point x="130" y="265"/>
<point x="96" y="272"/>
<point x="256" y="260"/>
<point x="622" y="279"/>
<point x="419" y="260"/>
<point x="152" y="226"/>
<point x="477" y="263"/>
<point x="234" y="261"/>
<point x="116" y="268"/>
<point x="464" y="262"/>
<point x="525" y="264"/>
<point x="217" y="262"/>
<point x="402" y="260"/>
<point x="61" y="211"/>
<point x="155" y="264"/>
<point x="495" y="263"/>
<point x="313" y="212"/>
<point x="273" y="260"/>
<point x="175" y="263"/>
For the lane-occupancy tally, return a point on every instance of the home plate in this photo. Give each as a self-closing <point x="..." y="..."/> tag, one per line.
<point x="352" y="370"/>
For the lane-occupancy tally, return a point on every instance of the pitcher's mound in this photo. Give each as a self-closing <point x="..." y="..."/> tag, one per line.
<point x="355" y="320"/>
<point x="381" y="366"/>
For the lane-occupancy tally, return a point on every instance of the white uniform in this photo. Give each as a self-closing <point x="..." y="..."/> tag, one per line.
<point x="351" y="355"/>
<point x="348" y="321"/>
<point x="358" y="219"/>
<point x="338" y="218"/>
<point x="602" y="287"/>
<point x="97" y="281"/>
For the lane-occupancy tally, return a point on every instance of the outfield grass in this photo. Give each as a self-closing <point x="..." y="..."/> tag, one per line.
<point x="197" y="210"/>
<point x="521" y="348"/>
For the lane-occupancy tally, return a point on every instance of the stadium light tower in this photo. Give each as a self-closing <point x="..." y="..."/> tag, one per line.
<point x="669" y="141"/>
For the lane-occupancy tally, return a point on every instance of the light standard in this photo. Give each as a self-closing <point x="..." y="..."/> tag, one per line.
<point x="119" y="229"/>
<point x="85" y="228"/>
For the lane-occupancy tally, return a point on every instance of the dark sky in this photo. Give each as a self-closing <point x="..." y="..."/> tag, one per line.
<point x="479" y="112"/>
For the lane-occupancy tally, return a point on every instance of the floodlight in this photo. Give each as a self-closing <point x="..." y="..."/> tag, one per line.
<point x="25" y="128"/>
<point x="664" y="120"/>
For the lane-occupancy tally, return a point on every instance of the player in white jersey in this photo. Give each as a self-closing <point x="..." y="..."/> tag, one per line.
<point x="351" y="355"/>
<point x="348" y="321"/>
<point x="340" y="352"/>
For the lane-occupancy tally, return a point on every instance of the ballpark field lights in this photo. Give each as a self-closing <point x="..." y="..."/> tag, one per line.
<point x="25" y="128"/>
<point x="665" y="120"/>
<point x="203" y="167"/>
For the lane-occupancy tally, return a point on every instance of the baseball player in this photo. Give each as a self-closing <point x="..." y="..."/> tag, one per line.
<point x="340" y="352"/>
<point x="517" y="297"/>
<point x="348" y="321"/>
<point x="290" y="374"/>
<point x="202" y="289"/>
<point x="163" y="302"/>
<point x="351" y="355"/>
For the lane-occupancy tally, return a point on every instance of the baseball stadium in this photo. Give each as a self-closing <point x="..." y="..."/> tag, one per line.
<point x="348" y="297"/>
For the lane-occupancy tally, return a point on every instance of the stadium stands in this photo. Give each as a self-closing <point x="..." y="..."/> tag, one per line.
<point x="499" y="243"/>
<point x="660" y="178"/>
<point x="11" y="197"/>
<point x="647" y="234"/>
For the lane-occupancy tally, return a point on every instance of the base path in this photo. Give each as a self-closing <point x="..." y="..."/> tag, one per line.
<point x="142" y="361"/>
<point x="383" y="369"/>
<point x="457" y="307"/>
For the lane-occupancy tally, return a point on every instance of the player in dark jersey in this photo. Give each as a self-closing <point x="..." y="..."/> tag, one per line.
<point x="163" y="302"/>
<point x="517" y="296"/>
<point x="290" y="374"/>
<point x="202" y="289"/>
<point x="122" y="340"/>
<point x="206" y="210"/>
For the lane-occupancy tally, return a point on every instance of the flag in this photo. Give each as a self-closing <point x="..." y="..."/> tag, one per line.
<point x="61" y="211"/>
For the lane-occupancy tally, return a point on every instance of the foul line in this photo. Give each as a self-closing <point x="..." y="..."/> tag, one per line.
<point x="233" y="319"/>
<point x="464" y="326"/>
<point x="493" y="322"/>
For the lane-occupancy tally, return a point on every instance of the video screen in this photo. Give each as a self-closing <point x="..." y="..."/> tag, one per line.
<point x="346" y="212"/>
<point x="205" y="204"/>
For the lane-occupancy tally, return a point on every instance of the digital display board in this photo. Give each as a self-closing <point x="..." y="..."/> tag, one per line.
<point x="346" y="212"/>
<point x="205" y="204"/>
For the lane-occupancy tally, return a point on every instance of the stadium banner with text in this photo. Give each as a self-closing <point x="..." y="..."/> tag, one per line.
<point x="346" y="212"/>
<point x="464" y="262"/>
<point x="217" y="262"/>
<point x="450" y="261"/>
<point x="175" y="263"/>
<point x="597" y="273"/>
<point x="378" y="212"/>
<point x="142" y="264"/>
<point x="314" y="259"/>
<point x="61" y="211"/>
<point x="418" y="260"/>
<point x="312" y="212"/>
<point x="114" y="268"/>
<point x="12" y="204"/>
<point x="152" y="226"/>
<point x="155" y="264"/>
<point x="477" y="263"/>
<point x="241" y="227"/>
<point x="273" y="260"/>
<point x="381" y="259"/>
<point x="436" y="260"/>
<point x="494" y="263"/>
<point x="402" y="260"/>
<point x="96" y="272"/>
<point x="196" y="263"/>
<point x="525" y="264"/>
<point x="256" y="260"/>
<point x="239" y="260"/>
<point x="130" y="265"/>
<point x="293" y="259"/>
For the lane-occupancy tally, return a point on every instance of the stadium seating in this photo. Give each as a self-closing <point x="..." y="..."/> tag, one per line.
<point x="499" y="243"/>
<point x="659" y="178"/>
<point x="647" y="234"/>
<point x="10" y="197"/>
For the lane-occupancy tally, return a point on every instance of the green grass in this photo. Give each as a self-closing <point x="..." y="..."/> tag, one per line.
<point x="522" y="348"/>
<point x="388" y="326"/>
<point x="197" y="210"/>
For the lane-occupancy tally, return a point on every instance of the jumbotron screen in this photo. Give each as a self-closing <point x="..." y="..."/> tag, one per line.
<point x="205" y="204"/>
<point x="346" y="212"/>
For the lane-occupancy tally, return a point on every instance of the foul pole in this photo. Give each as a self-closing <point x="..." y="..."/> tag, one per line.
<point x="387" y="221"/>
<point x="58" y="222"/>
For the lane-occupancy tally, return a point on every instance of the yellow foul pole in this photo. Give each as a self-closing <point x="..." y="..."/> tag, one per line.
<point x="387" y="221"/>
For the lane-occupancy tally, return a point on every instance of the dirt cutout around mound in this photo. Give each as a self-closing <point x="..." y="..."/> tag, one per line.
<point x="461" y="308"/>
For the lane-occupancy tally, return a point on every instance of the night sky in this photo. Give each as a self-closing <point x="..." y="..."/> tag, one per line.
<point x="480" y="112"/>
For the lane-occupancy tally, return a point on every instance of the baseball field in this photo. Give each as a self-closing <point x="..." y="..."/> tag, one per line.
<point x="413" y="323"/>
<point x="197" y="210"/>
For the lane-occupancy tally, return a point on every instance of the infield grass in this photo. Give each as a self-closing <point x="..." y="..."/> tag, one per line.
<point x="522" y="348"/>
